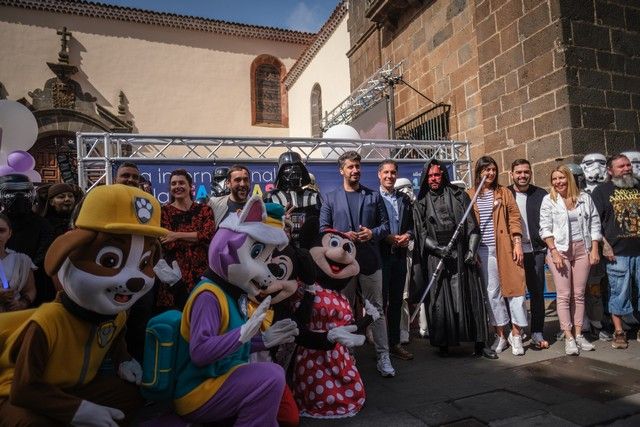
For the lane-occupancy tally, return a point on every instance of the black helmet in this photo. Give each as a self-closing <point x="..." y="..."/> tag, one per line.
<point x="292" y="173"/>
<point x="17" y="193"/>
<point x="578" y="174"/>
<point x="218" y="182"/>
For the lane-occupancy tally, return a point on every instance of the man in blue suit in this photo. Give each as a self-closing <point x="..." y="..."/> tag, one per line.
<point x="393" y="249"/>
<point x="361" y="213"/>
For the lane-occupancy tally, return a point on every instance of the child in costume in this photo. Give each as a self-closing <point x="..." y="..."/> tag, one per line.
<point x="50" y="356"/>
<point x="326" y="380"/>
<point x="16" y="274"/>
<point x="216" y="382"/>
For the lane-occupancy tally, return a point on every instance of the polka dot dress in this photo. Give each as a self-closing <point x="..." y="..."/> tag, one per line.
<point x="327" y="383"/>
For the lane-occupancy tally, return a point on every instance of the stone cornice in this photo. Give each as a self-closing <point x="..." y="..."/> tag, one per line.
<point x="128" y="14"/>
<point x="339" y="13"/>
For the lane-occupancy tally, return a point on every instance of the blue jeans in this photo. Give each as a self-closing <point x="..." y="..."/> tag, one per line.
<point x="622" y="273"/>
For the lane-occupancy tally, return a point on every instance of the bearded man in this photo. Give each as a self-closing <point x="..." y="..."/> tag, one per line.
<point x="618" y="204"/>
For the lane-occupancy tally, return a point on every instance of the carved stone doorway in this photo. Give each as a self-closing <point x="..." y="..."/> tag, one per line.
<point x="56" y="158"/>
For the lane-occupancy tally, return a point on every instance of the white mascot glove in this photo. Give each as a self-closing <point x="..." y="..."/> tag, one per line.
<point x="90" y="415"/>
<point x="130" y="371"/>
<point x="252" y="325"/>
<point x="371" y="310"/>
<point x="345" y="336"/>
<point x="169" y="275"/>
<point x="282" y="332"/>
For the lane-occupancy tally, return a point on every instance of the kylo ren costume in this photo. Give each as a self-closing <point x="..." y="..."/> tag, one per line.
<point x="455" y="303"/>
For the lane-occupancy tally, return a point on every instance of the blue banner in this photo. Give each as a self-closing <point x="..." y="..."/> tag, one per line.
<point x="263" y="175"/>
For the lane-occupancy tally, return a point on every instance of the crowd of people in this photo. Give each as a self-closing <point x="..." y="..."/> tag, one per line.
<point x="489" y="246"/>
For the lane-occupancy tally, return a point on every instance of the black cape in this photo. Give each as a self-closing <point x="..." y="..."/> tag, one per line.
<point x="455" y="304"/>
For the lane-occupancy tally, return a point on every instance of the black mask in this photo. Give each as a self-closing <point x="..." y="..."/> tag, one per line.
<point x="291" y="177"/>
<point x="16" y="202"/>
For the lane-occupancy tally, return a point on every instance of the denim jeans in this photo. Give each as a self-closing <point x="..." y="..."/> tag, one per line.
<point x="622" y="274"/>
<point x="371" y="287"/>
<point x="498" y="313"/>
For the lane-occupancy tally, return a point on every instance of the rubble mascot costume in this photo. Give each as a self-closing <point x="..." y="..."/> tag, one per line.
<point x="217" y="383"/>
<point x="50" y="356"/>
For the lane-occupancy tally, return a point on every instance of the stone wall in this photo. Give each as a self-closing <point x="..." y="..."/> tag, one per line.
<point x="602" y="56"/>
<point x="540" y="79"/>
<point x="364" y="55"/>
<point x="523" y="81"/>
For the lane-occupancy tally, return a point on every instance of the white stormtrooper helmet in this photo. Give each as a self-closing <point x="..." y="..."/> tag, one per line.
<point x="594" y="166"/>
<point x="634" y="158"/>
<point x="405" y="186"/>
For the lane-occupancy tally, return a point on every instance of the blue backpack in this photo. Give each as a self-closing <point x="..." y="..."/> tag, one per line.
<point x="164" y="353"/>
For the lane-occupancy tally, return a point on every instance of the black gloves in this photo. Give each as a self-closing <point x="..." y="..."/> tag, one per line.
<point x="438" y="250"/>
<point x="474" y="242"/>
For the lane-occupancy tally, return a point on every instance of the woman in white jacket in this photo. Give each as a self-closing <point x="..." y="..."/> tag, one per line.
<point x="570" y="225"/>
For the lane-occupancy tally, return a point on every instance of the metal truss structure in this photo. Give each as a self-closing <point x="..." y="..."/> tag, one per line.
<point x="365" y="96"/>
<point x="98" y="152"/>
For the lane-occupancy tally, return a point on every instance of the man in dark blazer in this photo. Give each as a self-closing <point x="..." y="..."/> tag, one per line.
<point x="393" y="250"/>
<point x="361" y="213"/>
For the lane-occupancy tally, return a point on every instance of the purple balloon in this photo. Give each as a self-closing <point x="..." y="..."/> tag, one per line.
<point x="6" y="170"/>
<point x="21" y="161"/>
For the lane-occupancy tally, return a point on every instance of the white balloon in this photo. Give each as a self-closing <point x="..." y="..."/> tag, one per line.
<point x="19" y="127"/>
<point x="33" y="175"/>
<point x="341" y="132"/>
<point x="338" y="132"/>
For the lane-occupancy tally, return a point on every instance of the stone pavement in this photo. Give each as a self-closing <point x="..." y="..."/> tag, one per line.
<point x="546" y="387"/>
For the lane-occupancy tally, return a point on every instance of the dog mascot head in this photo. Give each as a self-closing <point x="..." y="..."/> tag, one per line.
<point x="106" y="263"/>
<point x="242" y="248"/>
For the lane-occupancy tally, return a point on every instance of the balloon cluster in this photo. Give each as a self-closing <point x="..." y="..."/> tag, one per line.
<point x="18" y="132"/>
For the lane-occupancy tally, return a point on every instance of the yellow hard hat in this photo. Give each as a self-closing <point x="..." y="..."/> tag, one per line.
<point x="120" y="209"/>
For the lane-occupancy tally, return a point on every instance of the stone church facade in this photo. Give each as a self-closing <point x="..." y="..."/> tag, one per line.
<point x="540" y="79"/>
<point x="92" y="67"/>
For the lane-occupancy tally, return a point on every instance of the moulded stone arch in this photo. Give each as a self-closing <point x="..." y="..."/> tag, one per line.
<point x="267" y="88"/>
<point x="56" y="139"/>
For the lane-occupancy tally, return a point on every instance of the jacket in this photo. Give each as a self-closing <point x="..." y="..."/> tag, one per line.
<point x="335" y="214"/>
<point x="554" y="221"/>
<point x="534" y="200"/>
<point x="506" y="225"/>
<point x="405" y="224"/>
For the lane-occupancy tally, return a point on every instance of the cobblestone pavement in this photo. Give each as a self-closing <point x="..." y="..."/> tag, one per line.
<point x="545" y="387"/>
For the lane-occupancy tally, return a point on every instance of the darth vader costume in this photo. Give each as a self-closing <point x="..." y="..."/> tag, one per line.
<point x="305" y="203"/>
<point x="455" y="303"/>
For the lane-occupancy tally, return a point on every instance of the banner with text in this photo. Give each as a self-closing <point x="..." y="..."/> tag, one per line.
<point x="263" y="175"/>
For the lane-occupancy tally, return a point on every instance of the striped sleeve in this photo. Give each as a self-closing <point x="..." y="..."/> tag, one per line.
<point x="485" y="208"/>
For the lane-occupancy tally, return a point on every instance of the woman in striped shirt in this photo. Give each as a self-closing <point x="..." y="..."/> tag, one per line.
<point x="501" y="256"/>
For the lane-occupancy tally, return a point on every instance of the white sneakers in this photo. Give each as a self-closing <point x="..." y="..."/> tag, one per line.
<point x="570" y="347"/>
<point x="516" y="345"/>
<point x="583" y="344"/>
<point x="499" y="345"/>
<point x="384" y="366"/>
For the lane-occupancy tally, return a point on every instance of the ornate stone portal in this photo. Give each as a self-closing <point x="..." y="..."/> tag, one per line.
<point x="61" y="109"/>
